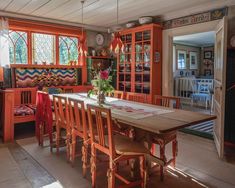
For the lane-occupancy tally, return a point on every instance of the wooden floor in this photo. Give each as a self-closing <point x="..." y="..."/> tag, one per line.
<point x="25" y="164"/>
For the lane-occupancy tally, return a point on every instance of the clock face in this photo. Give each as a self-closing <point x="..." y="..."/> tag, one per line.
<point x="99" y="39"/>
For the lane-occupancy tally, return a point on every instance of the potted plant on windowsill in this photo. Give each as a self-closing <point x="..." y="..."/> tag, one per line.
<point x="101" y="85"/>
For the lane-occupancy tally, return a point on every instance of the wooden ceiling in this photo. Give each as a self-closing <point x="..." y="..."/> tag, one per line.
<point x="102" y="13"/>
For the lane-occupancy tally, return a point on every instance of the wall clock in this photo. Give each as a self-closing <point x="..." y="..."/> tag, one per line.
<point x="99" y="39"/>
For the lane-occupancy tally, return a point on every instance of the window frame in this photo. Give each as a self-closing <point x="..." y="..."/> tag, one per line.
<point x="57" y="30"/>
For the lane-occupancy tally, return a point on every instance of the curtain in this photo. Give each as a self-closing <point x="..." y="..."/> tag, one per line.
<point x="4" y="43"/>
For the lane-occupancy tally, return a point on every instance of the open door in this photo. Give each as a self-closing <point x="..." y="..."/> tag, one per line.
<point x="219" y="81"/>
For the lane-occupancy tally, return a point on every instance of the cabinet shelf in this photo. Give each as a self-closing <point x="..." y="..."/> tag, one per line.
<point x="147" y="78"/>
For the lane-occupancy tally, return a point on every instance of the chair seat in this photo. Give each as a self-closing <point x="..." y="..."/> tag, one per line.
<point x="23" y="110"/>
<point x="125" y="146"/>
<point x="201" y="97"/>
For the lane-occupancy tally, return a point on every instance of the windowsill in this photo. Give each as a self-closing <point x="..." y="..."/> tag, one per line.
<point x="44" y="66"/>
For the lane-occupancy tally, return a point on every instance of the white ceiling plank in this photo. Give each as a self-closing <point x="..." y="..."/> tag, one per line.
<point x="32" y="6"/>
<point x="5" y="3"/>
<point x="51" y="6"/>
<point x="17" y="5"/>
<point x="103" y="12"/>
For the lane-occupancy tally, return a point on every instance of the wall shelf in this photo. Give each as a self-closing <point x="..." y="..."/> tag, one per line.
<point x="44" y="66"/>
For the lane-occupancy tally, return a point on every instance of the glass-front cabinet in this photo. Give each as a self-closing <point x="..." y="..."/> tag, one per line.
<point x="139" y="64"/>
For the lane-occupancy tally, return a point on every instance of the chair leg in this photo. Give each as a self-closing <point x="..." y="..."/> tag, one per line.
<point x="57" y="140"/>
<point x="111" y="174"/>
<point x="93" y="166"/>
<point x="73" y="149"/>
<point x="162" y="156"/>
<point x="143" y="172"/>
<point x="174" y="151"/>
<point x="68" y="146"/>
<point x="84" y="158"/>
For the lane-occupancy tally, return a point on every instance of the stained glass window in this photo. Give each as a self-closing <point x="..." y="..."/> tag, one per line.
<point x="68" y="49"/>
<point x="43" y="48"/>
<point x="18" y="48"/>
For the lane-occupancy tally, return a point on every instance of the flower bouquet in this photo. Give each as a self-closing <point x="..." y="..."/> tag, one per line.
<point x="101" y="85"/>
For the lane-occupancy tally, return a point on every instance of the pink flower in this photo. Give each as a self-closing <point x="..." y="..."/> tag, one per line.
<point x="104" y="75"/>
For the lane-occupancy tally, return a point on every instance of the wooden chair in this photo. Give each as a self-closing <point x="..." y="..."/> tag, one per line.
<point x="163" y="139"/>
<point x="167" y="101"/>
<point x="117" y="94"/>
<point x="136" y="97"/>
<point x="117" y="147"/>
<point x="78" y="127"/>
<point x="60" y="104"/>
<point x="44" y="117"/>
<point x="68" y="90"/>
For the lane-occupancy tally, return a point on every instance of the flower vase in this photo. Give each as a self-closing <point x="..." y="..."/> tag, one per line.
<point x="100" y="98"/>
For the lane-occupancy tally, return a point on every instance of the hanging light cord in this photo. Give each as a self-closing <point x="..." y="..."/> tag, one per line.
<point x="82" y="15"/>
<point x="117" y="12"/>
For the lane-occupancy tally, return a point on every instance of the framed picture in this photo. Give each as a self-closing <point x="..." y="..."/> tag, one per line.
<point x="181" y="59"/>
<point x="193" y="60"/>
<point x="207" y="72"/>
<point x="207" y="54"/>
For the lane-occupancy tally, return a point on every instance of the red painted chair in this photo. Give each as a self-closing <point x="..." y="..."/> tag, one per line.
<point x="117" y="94"/>
<point x="78" y="127"/>
<point x="60" y="104"/>
<point x="163" y="139"/>
<point x="44" y="119"/>
<point x="136" y="97"/>
<point x="118" y="148"/>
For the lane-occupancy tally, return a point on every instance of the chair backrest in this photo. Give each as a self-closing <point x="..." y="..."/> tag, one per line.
<point x="136" y="97"/>
<point x="205" y="87"/>
<point x="167" y="101"/>
<point x="77" y="116"/>
<point x="26" y="97"/>
<point x="68" y="90"/>
<point x="61" y="111"/>
<point x="100" y="122"/>
<point x="117" y="94"/>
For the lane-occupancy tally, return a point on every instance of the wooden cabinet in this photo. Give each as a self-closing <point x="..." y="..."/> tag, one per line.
<point x="105" y="63"/>
<point x="139" y="67"/>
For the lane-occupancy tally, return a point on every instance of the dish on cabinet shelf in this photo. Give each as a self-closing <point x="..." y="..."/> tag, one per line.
<point x="145" y="20"/>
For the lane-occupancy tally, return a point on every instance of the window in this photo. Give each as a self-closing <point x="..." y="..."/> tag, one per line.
<point x="18" y="47"/>
<point x="181" y="59"/>
<point x="68" y="49"/>
<point x="43" y="48"/>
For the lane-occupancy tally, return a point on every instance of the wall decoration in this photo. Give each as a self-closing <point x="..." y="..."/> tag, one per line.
<point x="196" y="18"/>
<point x="181" y="59"/>
<point x="45" y="77"/>
<point x="207" y="72"/>
<point x="193" y="60"/>
<point x="208" y="55"/>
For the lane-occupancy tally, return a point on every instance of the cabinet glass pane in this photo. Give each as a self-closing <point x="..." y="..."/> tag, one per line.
<point x="147" y="49"/>
<point x="147" y="35"/>
<point x="138" y="36"/>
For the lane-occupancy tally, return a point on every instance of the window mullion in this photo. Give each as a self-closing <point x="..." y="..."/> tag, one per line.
<point x="29" y="47"/>
<point x="57" y="55"/>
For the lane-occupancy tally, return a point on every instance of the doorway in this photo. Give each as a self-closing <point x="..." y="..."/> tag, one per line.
<point x="193" y="73"/>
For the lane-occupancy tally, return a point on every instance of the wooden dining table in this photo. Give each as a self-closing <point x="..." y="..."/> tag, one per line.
<point x="146" y="120"/>
<point x="148" y="117"/>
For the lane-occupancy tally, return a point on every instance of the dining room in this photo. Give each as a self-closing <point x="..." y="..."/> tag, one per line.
<point x="88" y="93"/>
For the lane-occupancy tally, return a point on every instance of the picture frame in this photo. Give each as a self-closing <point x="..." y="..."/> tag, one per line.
<point x="207" y="54"/>
<point x="207" y="72"/>
<point x="181" y="59"/>
<point x="193" y="60"/>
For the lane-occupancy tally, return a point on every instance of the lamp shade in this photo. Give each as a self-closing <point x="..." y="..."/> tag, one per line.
<point x="1" y="74"/>
<point x="82" y="48"/>
<point x="116" y="45"/>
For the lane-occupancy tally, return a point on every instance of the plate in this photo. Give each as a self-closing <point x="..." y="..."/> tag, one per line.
<point x="232" y="41"/>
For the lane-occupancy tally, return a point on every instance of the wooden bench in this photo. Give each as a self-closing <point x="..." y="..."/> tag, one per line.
<point x="18" y="106"/>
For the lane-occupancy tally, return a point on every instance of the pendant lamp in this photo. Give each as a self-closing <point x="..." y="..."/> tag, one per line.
<point x="116" y="45"/>
<point x="82" y="48"/>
